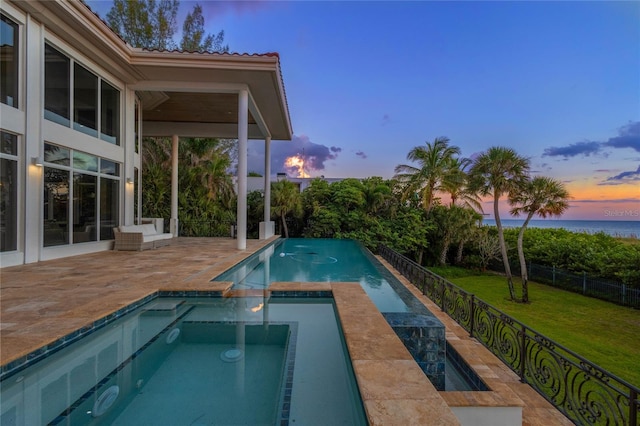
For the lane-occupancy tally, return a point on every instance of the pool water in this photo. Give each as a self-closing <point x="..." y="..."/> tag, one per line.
<point x="196" y="361"/>
<point x="334" y="260"/>
<point x="317" y="260"/>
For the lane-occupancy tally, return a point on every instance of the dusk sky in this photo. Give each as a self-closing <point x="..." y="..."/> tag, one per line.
<point x="367" y="81"/>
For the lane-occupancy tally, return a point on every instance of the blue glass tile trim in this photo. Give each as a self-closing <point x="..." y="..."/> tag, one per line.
<point x="285" y="410"/>
<point x="63" y="416"/>
<point x="14" y="367"/>
<point x="191" y="293"/>
<point x="424" y="337"/>
<point x="302" y="293"/>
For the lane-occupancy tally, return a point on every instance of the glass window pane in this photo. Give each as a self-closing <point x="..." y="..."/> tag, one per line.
<point x="84" y="161"/>
<point x="57" y="155"/>
<point x="8" y="197"/>
<point x="85" y="101"/>
<point x="136" y="217"/>
<point x="8" y="143"/>
<point x="109" y="167"/>
<point x="56" y="207"/>
<point x="109" y="207"/>
<point x="84" y="207"/>
<point x="56" y="86"/>
<point x="136" y="124"/>
<point x="8" y="62"/>
<point x="110" y="113"/>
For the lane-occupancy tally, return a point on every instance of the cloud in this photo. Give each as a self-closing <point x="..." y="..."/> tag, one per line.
<point x="361" y="154"/>
<point x="542" y="167"/>
<point x="624" y="177"/>
<point x="386" y="119"/>
<point x="613" y="200"/>
<point x="315" y="155"/>
<point x="628" y="137"/>
<point x="579" y="148"/>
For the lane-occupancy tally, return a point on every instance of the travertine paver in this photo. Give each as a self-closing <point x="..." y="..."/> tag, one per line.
<point x="41" y="302"/>
<point x="44" y="301"/>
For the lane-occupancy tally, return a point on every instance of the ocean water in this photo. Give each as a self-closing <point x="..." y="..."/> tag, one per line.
<point x="616" y="228"/>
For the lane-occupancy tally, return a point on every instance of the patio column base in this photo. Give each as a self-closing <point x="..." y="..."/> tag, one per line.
<point x="173" y="226"/>
<point x="267" y="230"/>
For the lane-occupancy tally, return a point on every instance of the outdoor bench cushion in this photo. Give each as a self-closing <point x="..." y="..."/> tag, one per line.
<point x="146" y="229"/>
<point x="140" y="237"/>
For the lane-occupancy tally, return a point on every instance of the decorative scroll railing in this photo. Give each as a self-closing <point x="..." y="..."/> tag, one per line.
<point x="582" y="391"/>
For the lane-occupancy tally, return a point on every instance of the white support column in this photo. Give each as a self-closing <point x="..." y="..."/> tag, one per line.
<point x="34" y="105"/>
<point x="129" y="149"/>
<point x="266" y="227"/>
<point x="173" y="224"/>
<point x="243" y="131"/>
<point x="267" y="179"/>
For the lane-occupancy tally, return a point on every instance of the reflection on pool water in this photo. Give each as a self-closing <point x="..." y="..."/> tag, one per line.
<point x="193" y="362"/>
<point x="317" y="260"/>
<point x="331" y="260"/>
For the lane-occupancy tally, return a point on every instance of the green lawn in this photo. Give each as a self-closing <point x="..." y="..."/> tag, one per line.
<point x="604" y="333"/>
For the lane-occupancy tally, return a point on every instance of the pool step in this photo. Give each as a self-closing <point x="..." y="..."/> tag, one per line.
<point x="257" y="292"/>
<point x="168" y="308"/>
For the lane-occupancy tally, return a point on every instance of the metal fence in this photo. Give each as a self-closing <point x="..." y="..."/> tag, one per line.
<point x="584" y="284"/>
<point x="582" y="391"/>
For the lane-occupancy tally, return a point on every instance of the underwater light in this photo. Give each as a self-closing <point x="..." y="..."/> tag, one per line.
<point x="232" y="355"/>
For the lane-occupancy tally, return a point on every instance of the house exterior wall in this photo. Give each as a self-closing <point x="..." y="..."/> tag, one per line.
<point x="257" y="183"/>
<point x="73" y="104"/>
<point x="26" y="122"/>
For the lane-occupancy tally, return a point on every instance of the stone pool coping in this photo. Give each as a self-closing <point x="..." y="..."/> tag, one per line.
<point x="45" y="301"/>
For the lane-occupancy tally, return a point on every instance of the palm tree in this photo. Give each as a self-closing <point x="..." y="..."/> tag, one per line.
<point x="466" y="229"/>
<point x="376" y="193"/>
<point x="542" y="196"/>
<point x="434" y="161"/>
<point x="285" y="199"/>
<point x="455" y="224"/>
<point x="215" y="177"/>
<point x="495" y="172"/>
<point x="206" y="187"/>
<point x="456" y="185"/>
<point x="447" y="220"/>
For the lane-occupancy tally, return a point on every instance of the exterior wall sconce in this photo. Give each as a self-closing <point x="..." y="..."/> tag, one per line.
<point x="37" y="161"/>
<point x="129" y="181"/>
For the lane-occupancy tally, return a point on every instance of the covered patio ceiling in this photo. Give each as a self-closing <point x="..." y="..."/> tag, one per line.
<point x="193" y="94"/>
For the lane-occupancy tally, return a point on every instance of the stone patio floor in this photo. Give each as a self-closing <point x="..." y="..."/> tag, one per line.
<point x="44" y="301"/>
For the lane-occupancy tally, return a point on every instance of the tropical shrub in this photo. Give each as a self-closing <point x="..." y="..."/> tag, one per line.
<point x="599" y="254"/>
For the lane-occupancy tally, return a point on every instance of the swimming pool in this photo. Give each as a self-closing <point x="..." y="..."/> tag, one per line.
<point x="333" y="260"/>
<point x="320" y="260"/>
<point x="195" y="361"/>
